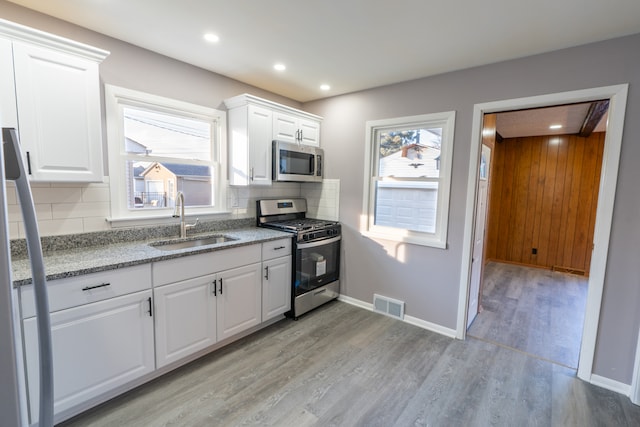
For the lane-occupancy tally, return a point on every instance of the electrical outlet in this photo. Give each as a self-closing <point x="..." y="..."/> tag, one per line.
<point x="534" y="251"/>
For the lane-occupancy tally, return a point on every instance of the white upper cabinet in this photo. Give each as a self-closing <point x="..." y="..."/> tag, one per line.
<point x="250" y="145"/>
<point x="296" y="129"/>
<point x="8" y="113"/>
<point x="57" y="103"/>
<point x="253" y="124"/>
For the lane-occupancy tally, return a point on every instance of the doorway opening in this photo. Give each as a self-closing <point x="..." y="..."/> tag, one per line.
<point x="616" y="95"/>
<point x="538" y="188"/>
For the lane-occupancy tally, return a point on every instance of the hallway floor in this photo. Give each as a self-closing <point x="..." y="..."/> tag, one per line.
<point x="536" y="311"/>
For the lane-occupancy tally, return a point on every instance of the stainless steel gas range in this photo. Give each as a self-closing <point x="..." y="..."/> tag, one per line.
<point x="316" y="252"/>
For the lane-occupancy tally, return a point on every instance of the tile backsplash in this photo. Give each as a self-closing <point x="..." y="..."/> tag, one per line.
<point x="66" y="208"/>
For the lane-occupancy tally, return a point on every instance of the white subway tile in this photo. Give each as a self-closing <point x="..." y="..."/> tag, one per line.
<point x="95" y="224"/>
<point x="57" y="195"/>
<point x="43" y="212"/>
<point x="57" y="227"/>
<point x="95" y="194"/>
<point x="14" y="230"/>
<point x="80" y="210"/>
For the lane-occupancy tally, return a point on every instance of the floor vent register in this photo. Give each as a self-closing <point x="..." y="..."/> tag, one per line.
<point x="388" y="306"/>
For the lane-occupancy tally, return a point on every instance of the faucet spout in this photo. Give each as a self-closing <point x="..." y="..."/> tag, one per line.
<point x="180" y="214"/>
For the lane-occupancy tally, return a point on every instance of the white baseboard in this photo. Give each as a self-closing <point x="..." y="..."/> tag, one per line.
<point x="433" y="327"/>
<point x="610" y="384"/>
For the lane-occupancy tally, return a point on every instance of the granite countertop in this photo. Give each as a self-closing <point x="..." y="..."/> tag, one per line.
<point x="84" y="258"/>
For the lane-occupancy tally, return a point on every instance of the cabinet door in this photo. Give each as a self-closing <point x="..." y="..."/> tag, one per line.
<point x="8" y="114"/>
<point x="310" y="132"/>
<point x="259" y="130"/>
<point x="239" y="300"/>
<point x="185" y="318"/>
<point x="58" y="103"/>
<point x="96" y="348"/>
<point x="276" y="287"/>
<point x="285" y="127"/>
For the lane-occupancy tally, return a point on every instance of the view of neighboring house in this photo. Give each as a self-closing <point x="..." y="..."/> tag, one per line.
<point x="407" y="193"/>
<point x="157" y="184"/>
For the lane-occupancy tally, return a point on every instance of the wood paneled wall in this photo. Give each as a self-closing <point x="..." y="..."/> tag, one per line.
<point x="544" y="192"/>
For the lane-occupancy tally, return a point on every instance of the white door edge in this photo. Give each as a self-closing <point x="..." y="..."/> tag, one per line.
<point x="617" y="95"/>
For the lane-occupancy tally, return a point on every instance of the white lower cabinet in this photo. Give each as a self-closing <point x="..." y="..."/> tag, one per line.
<point x="276" y="287"/>
<point x="185" y="318"/>
<point x="276" y="278"/>
<point x="239" y="297"/>
<point x="103" y="324"/>
<point x="196" y="313"/>
<point x="96" y="348"/>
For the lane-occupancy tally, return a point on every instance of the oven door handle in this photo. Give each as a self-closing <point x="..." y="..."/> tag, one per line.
<point x="318" y="243"/>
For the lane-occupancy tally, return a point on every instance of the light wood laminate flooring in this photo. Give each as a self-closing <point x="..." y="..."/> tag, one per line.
<point x="538" y="311"/>
<point x="341" y="365"/>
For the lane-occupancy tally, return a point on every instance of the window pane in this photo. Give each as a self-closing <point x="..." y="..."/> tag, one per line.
<point x="164" y="135"/>
<point x="411" y="153"/>
<point x="407" y="205"/>
<point x="153" y="185"/>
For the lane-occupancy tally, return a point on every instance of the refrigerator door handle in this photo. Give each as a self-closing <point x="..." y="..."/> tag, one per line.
<point x="14" y="170"/>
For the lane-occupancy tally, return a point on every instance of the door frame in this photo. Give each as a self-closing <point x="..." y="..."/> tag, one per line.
<point x="617" y="96"/>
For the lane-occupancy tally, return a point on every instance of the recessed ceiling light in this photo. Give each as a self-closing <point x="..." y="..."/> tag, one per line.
<point x="555" y="127"/>
<point x="325" y="87"/>
<point x="279" y="67"/>
<point x="212" y="38"/>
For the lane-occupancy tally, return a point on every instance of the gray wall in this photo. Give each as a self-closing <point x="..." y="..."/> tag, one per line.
<point x="428" y="279"/>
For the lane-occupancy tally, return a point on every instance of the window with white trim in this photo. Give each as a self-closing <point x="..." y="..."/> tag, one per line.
<point x="159" y="147"/>
<point x="407" y="178"/>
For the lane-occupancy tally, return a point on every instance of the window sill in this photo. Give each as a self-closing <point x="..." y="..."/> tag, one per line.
<point x="118" y="222"/>
<point x="406" y="238"/>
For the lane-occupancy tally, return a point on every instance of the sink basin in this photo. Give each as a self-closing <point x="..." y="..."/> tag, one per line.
<point x="172" y="245"/>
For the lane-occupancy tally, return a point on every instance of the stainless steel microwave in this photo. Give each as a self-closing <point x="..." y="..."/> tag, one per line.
<point x="296" y="162"/>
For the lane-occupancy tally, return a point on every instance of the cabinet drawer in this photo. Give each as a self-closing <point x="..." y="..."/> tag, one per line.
<point x="188" y="267"/>
<point x="88" y="288"/>
<point x="276" y="249"/>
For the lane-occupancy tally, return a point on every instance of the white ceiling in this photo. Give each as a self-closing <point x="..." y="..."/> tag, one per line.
<point x="348" y="44"/>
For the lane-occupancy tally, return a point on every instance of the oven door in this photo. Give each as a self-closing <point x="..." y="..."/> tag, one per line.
<point x="317" y="264"/>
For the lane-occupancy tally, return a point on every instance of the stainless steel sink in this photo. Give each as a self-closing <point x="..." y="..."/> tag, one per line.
<point x="173" y="245"/>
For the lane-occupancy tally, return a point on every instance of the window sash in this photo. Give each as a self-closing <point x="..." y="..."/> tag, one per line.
<point x="121" y="187"/>
<point x="441" y="184"/>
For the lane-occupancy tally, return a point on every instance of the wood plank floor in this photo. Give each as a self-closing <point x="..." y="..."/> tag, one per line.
<point x="345" y="366"/>
<point x="537" y="311"/>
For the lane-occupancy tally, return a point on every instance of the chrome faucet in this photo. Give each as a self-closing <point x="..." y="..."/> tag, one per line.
<point x="180" y="214"/>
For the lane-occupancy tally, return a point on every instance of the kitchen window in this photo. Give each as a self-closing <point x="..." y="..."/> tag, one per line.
<point x="407" y="178"/>
<point x="159" y="147"/>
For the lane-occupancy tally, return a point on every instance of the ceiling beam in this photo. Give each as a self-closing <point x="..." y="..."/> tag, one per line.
<point x="593" y="117"/>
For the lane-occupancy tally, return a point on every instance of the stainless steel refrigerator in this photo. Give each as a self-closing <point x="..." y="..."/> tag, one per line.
<point x="13" y="400"/>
